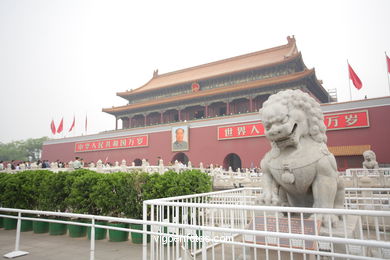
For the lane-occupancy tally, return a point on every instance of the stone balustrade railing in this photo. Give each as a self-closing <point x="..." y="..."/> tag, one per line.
<point x="362" y="178"/>
<point x="357" y="178"/>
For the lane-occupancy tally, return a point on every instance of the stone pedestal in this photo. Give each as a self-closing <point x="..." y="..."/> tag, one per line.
<point x="351" y="231"/>
<point x="309" y="227"/>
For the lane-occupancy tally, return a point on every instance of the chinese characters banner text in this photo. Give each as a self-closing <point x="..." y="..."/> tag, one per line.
<point x="332" y="122"/>
<point x="116" y="143"/>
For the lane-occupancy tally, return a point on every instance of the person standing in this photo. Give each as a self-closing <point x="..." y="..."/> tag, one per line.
<point x="77" y="163"/>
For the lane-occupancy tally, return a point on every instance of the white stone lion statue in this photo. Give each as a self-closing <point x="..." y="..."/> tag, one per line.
<point x="299" y="170"/>
<point x="370" y="160"/>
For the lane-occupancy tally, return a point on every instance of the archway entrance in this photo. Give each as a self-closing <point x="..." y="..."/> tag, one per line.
<point x="232" y="160"/>
<point x="137" y="162"/>
<point x="180" y="157"/>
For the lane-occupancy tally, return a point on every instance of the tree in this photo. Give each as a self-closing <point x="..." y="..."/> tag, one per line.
<point x="12" y="151"/>
<point x="22" y="150"/>
<point x="33" y="147"/>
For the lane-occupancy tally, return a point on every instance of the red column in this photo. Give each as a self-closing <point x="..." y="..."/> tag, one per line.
<point x="162" y="118"/>
<point x="145" y="120"/>
<point x="206" y="111"/>
<point x="178" y="111"/>
<point x="250" y="104"/>
<point x="116" y="123"/>
<point x="130" y="122"/>
<point x="227" y="108"/>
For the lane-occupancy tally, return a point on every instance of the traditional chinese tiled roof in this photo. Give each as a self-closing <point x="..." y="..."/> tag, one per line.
<point x="349" y="149"/>
<point x="260" y="59"/>
<point x="238" y="87"/>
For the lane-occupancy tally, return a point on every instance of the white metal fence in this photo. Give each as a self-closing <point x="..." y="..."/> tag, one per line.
<point x="44" y="216"/>
<point x="228" y="225"/>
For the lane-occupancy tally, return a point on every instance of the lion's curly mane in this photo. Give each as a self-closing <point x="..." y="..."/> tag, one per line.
<point x="296" y="99"/>
<point x="370" y="153"/>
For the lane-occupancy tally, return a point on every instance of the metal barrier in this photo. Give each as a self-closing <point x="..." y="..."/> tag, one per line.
<point x="92" y="225"/>
<point x="228" y="225"/>
<point x="367" y="198"/>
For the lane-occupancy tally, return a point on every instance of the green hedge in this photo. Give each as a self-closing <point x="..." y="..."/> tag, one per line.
<point x="88" y="192"/>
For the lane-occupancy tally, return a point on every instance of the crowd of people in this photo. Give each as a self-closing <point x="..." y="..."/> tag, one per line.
<point x="26" y="165"/>
<point x="79" y="163"/>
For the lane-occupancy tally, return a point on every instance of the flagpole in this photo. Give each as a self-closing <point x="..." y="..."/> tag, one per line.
<point x="63" y="132"/>
<point x="86" y="123"/>
<point x="387" y="71"/>
<point x="51" y="127"/>
<point x="349" y="82"/>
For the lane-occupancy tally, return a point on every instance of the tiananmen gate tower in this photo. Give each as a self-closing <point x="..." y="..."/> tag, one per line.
<point x="209" y="114"/>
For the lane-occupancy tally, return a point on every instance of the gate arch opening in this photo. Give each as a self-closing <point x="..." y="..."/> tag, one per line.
<point x="180" y="157"/>
<point x="137" y="162"/>
<point x="232" y="160"/>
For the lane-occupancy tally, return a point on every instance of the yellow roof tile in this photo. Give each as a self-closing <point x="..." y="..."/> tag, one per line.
<point x="349" y="149"/>
<point x="240" y="63"/>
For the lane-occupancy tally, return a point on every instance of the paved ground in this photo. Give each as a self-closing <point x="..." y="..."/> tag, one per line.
<point x="47" y="247"/>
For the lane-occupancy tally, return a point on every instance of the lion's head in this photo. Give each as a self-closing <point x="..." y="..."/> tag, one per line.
<point x="291" y="115"/>
<point x="369" y="156"/>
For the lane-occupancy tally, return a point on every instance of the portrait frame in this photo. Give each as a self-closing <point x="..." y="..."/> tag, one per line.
<point x="184" y="145"/>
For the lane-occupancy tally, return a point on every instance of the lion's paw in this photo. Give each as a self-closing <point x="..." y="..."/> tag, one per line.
<point x="327" y="220"/>
<point x="269" y="199"/>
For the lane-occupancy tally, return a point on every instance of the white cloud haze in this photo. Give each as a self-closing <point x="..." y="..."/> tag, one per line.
<point x="65" y="58"/>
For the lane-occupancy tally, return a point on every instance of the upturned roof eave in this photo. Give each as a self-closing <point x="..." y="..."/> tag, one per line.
<point x="209" y="92"/>
<point x="291" y="45"/>
<point x="127" y="94"/>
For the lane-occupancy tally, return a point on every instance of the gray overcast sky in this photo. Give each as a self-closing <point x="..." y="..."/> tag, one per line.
<point x="65" y="58"/>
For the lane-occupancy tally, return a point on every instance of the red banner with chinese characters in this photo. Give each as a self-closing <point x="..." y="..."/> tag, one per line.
<point x="114" y="143"/>
<point x="347" y="120"/>
<point x="240" y="131"/>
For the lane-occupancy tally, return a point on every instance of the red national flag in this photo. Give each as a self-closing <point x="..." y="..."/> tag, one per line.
<point x="355" y="79"/>
<point x="86" y="123"/>
<point x="388" y="63"/>
<point x="53" y="127"/>
<point x="73" y="124"/>
<point x="61" y="126"/>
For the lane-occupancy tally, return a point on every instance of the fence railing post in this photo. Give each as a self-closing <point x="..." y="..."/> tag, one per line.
<point x="144" y="236"/>
<point x="17" y="252"/>
<point x="18" y="227"/>
<point x="92" y="252"/>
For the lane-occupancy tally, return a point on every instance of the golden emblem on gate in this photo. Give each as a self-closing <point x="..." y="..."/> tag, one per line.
<point x="195" y="87"/>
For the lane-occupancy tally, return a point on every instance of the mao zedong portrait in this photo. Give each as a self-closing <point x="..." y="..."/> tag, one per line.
<point x="180" y="143"/>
